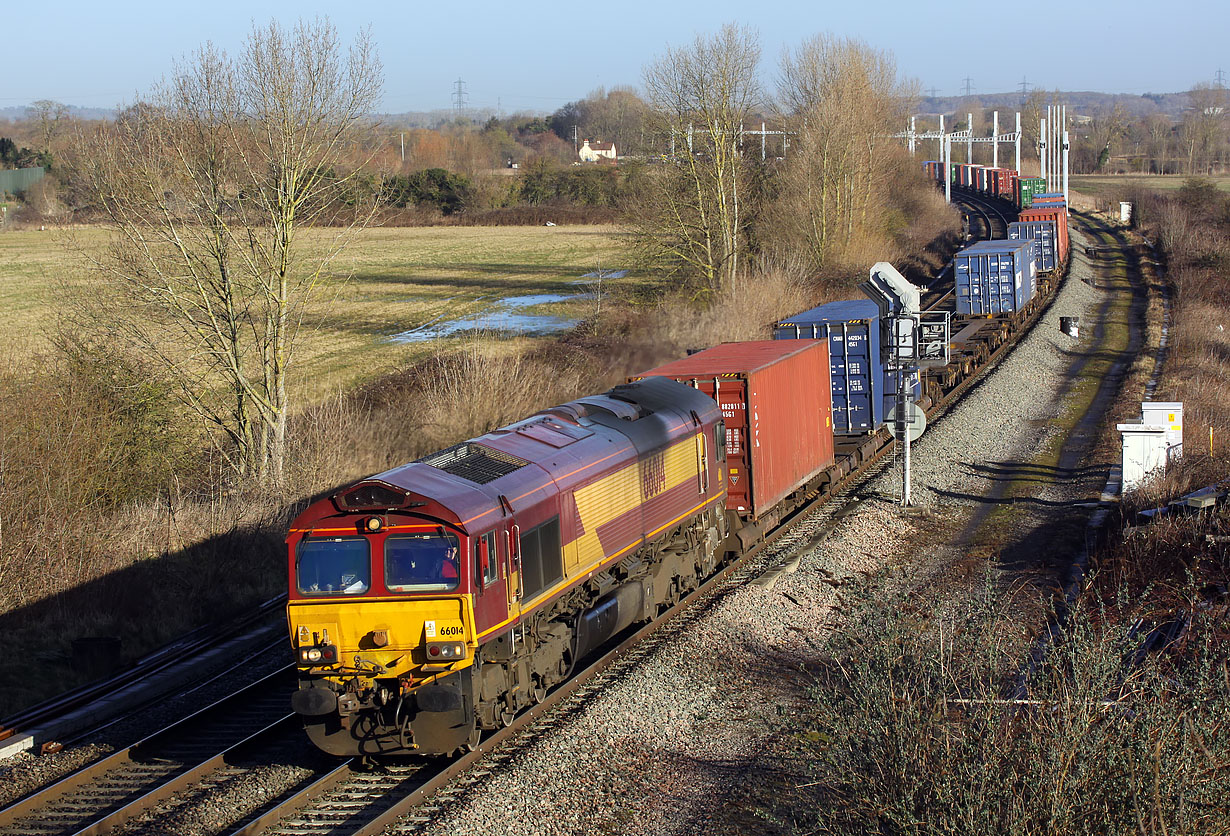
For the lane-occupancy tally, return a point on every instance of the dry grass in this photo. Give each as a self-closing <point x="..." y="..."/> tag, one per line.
<point x="1119" y="186"/>
<point x="1197" y="371"/>
<point x="389" y="281"/>
<point x="402" y="279"/>
<point x="33" y="267"/>
<point x="906" y="729"/>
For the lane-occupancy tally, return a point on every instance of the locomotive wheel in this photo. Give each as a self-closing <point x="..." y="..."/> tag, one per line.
<point x="506" y="718"/>
<point x="538" y="694"/>
<point x="476" y="736"/>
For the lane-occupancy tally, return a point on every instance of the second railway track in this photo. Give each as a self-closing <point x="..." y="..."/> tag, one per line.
<point x="103" y="795"/>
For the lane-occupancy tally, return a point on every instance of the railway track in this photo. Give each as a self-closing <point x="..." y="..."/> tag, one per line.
<point x="54" y="717"/>
<point x="990" y="213"/>
<point x="103" y="795"/>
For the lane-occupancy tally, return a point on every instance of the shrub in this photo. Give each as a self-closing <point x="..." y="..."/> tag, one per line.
<point x="907" y="730"/>
<point x="433" y="187"/>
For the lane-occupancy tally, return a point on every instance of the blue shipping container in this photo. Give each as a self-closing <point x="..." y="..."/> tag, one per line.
<point x="862" y="391"/>
<point x="995" y="277"/>
<point x="1043" y="235"/>
<point x="1049" y="199"/>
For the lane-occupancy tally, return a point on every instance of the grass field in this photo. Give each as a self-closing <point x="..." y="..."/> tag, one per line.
<point x="392" y="280"/>
<point x="1112" y="186"/>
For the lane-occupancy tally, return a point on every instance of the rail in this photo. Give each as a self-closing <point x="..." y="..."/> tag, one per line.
<point x="100" y="795"/>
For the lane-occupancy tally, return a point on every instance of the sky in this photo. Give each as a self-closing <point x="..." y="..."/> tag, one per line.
<point x="522" y="57"/>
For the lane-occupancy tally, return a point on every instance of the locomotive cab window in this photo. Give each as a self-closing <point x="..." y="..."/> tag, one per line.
<point x="719" y="440"/>
<point x="486" y="566"/>
<point x="421" y="563"/>
<point x="333" y="566"/>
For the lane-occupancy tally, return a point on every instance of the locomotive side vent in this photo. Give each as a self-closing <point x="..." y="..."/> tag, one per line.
<point x="474" y="462"/>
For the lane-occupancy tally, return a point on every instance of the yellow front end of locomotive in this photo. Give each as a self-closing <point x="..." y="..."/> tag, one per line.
<point x="412" y="640"/>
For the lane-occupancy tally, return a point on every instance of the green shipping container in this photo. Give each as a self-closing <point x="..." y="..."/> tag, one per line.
<point x="1026" y="188"/>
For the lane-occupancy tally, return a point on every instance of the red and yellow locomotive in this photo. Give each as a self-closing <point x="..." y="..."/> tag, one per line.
<point x="438" y="599"/>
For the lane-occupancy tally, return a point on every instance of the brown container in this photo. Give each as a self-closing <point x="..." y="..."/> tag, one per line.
<point x="1060" y="217"/>
<point x="776" y="401"/>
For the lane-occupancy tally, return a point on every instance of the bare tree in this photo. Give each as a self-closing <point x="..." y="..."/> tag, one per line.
<point x="1032" y="112"/>
<point x="208" y="186"/>
<point x="49" y="114"/>
<point x="699" y="96"/>
<point x="1159" y="129"/>
<point x="1108" y="126"/>
<point x="1204" y="127"/>
<point x="843" y="99"/>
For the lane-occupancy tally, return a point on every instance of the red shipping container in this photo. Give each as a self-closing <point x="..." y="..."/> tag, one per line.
<point x="776" y="400"/>
<point x="1060" y="217"/>
<point x="1001" y="182"/>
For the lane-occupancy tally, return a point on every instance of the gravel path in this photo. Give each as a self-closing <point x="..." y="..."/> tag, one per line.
<point x="657" y="753"/>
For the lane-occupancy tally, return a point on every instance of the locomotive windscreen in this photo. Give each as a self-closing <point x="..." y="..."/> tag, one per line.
<point x="421" y="563"/>
<point x="333" y="566"/>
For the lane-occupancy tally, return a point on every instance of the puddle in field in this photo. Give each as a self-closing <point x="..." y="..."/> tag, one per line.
<point x="508" y="314"/>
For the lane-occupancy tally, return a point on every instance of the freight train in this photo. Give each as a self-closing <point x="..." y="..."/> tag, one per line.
<point x="435" y="601"/>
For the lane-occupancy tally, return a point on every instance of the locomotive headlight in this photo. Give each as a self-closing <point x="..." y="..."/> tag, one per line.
<point x="318" y="655"/>
<point x="374" y="524"/>
<point x="446" y="650"/>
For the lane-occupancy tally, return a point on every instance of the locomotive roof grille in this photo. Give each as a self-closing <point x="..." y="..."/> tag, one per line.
<point x="474" y="462"/>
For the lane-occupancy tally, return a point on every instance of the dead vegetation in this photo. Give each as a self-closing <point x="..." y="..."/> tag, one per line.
<point x="910" y="725"/>
<point x="1192" y="229"/>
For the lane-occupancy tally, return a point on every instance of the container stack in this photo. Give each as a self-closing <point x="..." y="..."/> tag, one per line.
<point x="994" y="277"/>
<point x="774" y="398"/>
<point x="1042" y="233"/>
<point x="863" y="391"/>
<point x="1057" y="215"/>
<point x="1050" y="199"/>
<point x="1025" y="189"/>
<point x="1000" y="182"/>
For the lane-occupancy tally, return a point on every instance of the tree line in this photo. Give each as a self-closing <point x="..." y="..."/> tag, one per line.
<point x="208" y="182"/>
<point x="1110" y="140"/>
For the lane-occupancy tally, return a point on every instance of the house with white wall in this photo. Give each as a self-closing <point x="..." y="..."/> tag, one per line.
<point x="593" y="152"/>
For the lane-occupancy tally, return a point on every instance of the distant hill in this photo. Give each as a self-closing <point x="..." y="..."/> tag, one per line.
<point x="21" y="112"/>
<point x="1082" y="103"/>
<point x="412" y="119"/>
